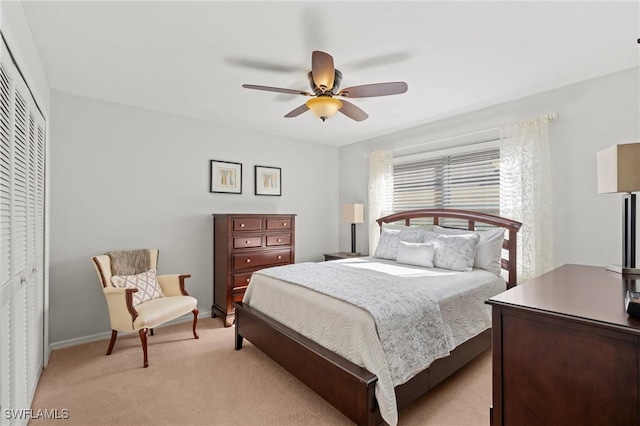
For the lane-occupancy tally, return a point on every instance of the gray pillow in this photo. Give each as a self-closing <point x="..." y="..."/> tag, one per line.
<point x="489" y="250"/>
<point x="389" y="239"/>
<point x="456" y="252"/>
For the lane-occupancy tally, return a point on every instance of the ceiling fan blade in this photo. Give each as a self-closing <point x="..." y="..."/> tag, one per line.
<point x="277" y="89"/>
<point x="296" y="112"/>
<point x="376" y="61"/>
<point x="322" y="69"/>
<point x="264" y="65"/>
<point x="352" y="111"/>
<point x="371" y="90"/>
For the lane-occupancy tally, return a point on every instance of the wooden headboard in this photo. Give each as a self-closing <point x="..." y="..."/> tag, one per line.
<point x="509" y="244"/>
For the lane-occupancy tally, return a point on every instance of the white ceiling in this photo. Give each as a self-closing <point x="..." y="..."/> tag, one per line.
<point x="191" y="58"/>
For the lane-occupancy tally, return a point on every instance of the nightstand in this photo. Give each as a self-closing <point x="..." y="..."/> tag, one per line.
<point x="341" y="255"/>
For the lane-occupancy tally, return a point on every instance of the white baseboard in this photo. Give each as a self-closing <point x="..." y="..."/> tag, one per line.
<point x="107" y="334"/>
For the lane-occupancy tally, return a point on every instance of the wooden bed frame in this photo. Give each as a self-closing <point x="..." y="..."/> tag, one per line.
<point x="345" y="385"/>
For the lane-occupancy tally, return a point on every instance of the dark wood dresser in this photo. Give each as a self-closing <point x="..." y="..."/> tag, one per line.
<point x="243" y="244"/>
<point x="565" y="352"/>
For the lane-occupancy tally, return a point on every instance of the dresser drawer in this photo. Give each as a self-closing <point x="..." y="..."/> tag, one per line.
<point x="263" y="258"/>
<point x="279" y="240"/>
<point x="247" y="242"/>
<point x="241" y="280"/>
<point x="247" y="224"/>
<point x="284" y="223"/>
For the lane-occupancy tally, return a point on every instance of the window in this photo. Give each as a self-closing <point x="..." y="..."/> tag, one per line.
<point x="469" y="181"/>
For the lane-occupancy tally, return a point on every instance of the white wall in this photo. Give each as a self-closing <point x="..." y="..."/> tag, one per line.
<point x="594" y="114"/>
<point x="125" y="178"/>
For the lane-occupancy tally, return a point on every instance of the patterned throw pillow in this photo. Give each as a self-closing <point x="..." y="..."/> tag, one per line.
<point x="389" y="239"/>
<point x="489" y="250"/>
<point x="456" y="252"/>
<point x="146" y="283"/>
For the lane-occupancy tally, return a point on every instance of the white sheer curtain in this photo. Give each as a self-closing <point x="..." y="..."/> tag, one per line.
<point x="380" y="193"/>
<point x="525" y="192"/>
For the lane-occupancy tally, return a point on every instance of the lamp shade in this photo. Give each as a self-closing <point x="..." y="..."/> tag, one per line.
<point x="324" y="106"/>
<point x="353" y="213"/>
<point x="619" y="168"/>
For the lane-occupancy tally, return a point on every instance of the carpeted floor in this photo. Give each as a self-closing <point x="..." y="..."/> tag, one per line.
<point x="207" y="382"/>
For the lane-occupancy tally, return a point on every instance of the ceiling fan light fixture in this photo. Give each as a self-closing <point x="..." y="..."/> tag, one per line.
<point x="325" y="81"/>
<point x="324" y="106"/>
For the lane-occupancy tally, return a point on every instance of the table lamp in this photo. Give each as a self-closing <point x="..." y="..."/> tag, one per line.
<point x="619" y="171"/>
<point x="353" y="213"/>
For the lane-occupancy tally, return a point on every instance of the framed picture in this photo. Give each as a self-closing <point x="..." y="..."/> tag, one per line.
<point x="225" y="176"/>
<point x="268" y="180"/>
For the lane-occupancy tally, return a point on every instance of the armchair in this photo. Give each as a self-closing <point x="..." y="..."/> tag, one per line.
<point x="126" y="315"/>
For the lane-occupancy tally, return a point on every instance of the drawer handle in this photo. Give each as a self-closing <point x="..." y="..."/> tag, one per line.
<point x="248" y="279"/>
<point x="279" y="239"/>
<point x="247" y="242"/>
<point x="279" y="257"/>
<point x="248" y="260"/>
<point x="284" y="223"/>
<point x="242" y="225"/>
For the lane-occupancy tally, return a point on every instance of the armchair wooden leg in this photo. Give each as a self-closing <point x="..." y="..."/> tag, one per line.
<point x="151" y="331"/>
<point x="195" y="323"/>
<point x="112" y="343"/>
<point x="143" y="339"/>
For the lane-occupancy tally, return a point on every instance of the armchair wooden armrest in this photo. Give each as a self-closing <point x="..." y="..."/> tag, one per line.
<point x="120" y="302"/>
<point x="173" y="285"/>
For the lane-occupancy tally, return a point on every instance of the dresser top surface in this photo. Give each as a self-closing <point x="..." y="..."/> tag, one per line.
<point x="586" y="292"/>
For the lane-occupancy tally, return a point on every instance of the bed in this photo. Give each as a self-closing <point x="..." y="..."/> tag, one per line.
<point x="340" y="379"/>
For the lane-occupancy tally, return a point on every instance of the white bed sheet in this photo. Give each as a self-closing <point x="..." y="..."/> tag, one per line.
<point x="350" y="331"/>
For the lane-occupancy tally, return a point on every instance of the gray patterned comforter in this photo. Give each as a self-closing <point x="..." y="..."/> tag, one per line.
<point x="410" y="328"/>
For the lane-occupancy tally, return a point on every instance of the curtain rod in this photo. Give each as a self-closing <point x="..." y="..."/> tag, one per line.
<point x="550" y="117"/>
<point x="445" y="139"/>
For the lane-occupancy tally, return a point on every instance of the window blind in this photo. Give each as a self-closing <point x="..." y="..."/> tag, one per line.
<point x="469" y="181"/>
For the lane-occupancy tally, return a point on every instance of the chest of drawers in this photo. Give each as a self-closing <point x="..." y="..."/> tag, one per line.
<point x="243" y="244"/>
<point x="565" y="352"/>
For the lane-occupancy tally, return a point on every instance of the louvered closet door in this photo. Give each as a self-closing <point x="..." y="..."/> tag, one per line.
<point x="7" y="324"/>
<point x="35" y="247"/>
<point x="38" y="265"/>
<point x="6" y="288"/>
<point x="22" y="167"/>
<point x="19" y="239"/>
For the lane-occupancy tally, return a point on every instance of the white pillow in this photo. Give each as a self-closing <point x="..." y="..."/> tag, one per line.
<point x="418" y="254"/>
<point x="489" y="250"/>
<point x="456" y="252"/>
<point x="389" y="239"/>
<point x="146" y="283"/>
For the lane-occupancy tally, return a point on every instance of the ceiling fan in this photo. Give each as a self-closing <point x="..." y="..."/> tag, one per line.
<point x="325" y="84"/>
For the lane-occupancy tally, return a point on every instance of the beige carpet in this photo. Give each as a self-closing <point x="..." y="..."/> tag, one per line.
<point x="207" y="382"/>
